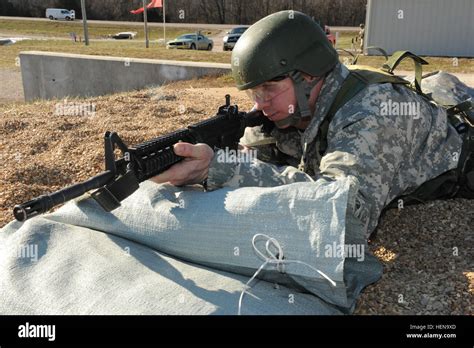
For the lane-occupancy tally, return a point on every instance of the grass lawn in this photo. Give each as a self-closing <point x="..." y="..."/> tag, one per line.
<point x="120" y="48"/>
<point x="96" y="31"/>
<point x="136" y="49"/>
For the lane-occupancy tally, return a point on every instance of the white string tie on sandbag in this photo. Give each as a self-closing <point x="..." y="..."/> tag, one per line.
<point x="277" y="259"/>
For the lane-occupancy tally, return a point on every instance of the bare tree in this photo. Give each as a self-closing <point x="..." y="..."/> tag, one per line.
<point x="331" y="12"/>
<point x="220" y="9"/>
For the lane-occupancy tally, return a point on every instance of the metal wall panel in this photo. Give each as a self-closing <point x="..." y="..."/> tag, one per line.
<point x="428" y="27"/>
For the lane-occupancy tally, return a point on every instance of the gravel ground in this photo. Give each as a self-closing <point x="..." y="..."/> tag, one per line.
<point x="427" y="255"/>
<point x="426" y="249"/>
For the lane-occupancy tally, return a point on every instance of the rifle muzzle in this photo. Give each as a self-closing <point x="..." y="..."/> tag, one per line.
<point x="37" y="206"/>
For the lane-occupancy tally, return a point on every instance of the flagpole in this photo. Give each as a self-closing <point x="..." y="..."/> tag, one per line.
<point x="146" y="22"/>
<point x="164" y="22"/>
<point x="84" y="22"/>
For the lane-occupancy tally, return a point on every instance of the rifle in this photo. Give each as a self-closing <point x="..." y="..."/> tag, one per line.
<point x="122" y="176"/>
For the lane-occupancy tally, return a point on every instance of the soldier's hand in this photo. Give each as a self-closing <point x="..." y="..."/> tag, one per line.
<point x="193" y="169"/>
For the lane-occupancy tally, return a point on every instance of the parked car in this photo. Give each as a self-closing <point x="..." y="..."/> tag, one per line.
<point x="124" y="35"/>
<point x="232" y="36"/>
<point x="5" y="42"/>
<point x="60" y="13"/>
<point x="194" y="41"/>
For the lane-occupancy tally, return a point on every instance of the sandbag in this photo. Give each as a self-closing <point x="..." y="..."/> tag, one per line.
<point x="312" y="222"/>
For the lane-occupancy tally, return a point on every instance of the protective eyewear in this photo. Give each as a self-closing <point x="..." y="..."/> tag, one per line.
<point x="268" y="90"/>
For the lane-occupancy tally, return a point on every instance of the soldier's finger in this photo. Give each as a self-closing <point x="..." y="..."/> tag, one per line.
<point x="183" y="149"/>
<point x="181" y="173"/>
<point x="163" y="177"/>
<point x="193" y="151"/>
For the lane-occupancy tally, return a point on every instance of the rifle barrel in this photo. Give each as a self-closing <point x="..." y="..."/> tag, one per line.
<point x="44" y="203"/>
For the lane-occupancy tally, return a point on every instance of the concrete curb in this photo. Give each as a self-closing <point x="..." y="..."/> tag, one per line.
<point x="48" y="75"/>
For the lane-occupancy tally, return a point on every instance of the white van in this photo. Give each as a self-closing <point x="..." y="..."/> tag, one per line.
<point x="60" y="13"/>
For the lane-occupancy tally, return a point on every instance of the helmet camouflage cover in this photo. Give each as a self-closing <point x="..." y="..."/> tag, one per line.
<point x="278" y="44"/>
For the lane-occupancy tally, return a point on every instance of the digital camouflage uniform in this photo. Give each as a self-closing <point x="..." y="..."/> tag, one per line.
<point x="390" y="155"/>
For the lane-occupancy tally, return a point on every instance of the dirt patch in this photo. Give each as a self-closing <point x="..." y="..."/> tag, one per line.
<point x="12" y="86"/>
<point x="425" y="249"/>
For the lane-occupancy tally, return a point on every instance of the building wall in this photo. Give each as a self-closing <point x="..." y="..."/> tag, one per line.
<point x="428" y="27"/>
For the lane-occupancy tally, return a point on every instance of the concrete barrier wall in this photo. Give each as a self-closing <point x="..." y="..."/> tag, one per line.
<point x="48" y="75"/>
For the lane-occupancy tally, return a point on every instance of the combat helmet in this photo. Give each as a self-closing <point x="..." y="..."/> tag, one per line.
<point x="285" y="43"/>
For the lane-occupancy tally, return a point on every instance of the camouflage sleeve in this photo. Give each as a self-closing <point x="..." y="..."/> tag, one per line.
<point x="265" y="146"/>
<point x="226" y="170"/>
<point x="264" y="164"/>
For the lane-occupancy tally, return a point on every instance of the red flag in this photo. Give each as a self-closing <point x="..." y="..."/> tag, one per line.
<point x="152" y="4"/>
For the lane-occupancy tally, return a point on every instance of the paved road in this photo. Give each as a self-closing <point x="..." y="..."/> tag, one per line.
<point x="218" y="43"/>
<point x="170" y="25"/>
<point x="64" y="38"/>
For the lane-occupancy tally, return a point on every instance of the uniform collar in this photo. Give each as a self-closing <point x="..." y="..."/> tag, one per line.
<point x="332" y="84"/>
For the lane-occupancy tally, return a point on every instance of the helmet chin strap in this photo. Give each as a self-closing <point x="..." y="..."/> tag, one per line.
<point x="303" y="91"/>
